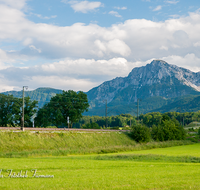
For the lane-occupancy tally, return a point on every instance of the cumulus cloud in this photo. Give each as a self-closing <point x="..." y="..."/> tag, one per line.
<point x="90" y="53"/>
<point x="5" y="60"/>
<point x="78" y="74"/>
<point x="158" y="8"/>
<point x="83" y="6"/>
<point x="189" y="61"/>
<point x="121" y="8"/>
<point x="135" y="39"/>
<point x="172" y="2"/>
<point x="115" y="13"/>
<point x="45" y="17"/>
<point x="12" y="3"/>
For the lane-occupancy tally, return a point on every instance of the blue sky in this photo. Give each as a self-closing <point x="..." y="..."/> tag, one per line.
<point x="78" y="44"/>
<point x="108" y="12"/>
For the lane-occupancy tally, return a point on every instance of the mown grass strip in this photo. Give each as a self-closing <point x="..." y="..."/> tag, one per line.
<point x="149" y="157"/>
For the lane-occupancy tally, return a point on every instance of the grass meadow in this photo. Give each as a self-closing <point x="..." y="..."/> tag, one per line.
<point x="145" y="169"/>
<point x="86" y="173"/>
<point x="95" y="161"/>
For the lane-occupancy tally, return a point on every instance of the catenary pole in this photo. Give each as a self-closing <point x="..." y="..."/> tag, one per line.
<point x="22" y="127"/>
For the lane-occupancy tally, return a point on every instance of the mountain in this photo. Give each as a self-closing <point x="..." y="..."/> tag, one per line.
<point x="184" y="104"/>
<point x="42" y="95"/>
<point x="158" y="81"/>
<point x="158" y="86"/>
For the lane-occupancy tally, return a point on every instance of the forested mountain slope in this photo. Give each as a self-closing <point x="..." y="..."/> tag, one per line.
<point x="42" y="95"/>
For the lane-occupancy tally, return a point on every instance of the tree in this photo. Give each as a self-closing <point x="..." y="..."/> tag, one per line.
<point x="157" y="133"/>
<point x="67" y="104"/>
<point x="7" y="107"/>
<point x="29" y="111"/>
<point x="10" y="110"/>
<point x="90" y="126"/>
<point x="169" y="129"/>
<point x="199" y="132"/>
<point x="42" y="118"/>
<point x="151" y="119"/>
<point x="141" y="133"/>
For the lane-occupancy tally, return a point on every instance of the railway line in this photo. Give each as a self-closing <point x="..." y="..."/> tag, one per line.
<point x="58" y="129"/>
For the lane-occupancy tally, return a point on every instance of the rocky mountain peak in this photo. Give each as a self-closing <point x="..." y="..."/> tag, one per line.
<point x="152" y="73"/>
<point x="155" y="79"/>
<point x="158" y="63"/>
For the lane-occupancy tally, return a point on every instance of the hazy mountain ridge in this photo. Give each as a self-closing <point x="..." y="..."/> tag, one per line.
<point x="42" y="95"/>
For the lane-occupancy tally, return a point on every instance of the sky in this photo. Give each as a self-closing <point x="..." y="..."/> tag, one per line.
<point x="79" y="44"/>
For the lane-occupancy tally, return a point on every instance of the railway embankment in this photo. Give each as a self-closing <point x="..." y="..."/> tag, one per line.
<point x="51" y="142"/>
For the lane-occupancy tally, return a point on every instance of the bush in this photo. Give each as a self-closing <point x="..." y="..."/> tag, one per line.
<point x="168" y="130"/>
<point x="90" y="126"/>
<point x="141" y="133"/>
<point x="157" y="133"/>
<point x="199" y="131"/>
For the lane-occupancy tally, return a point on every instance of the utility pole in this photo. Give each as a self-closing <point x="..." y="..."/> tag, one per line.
<point x="180" y="116"/>
<point x="22" y="127"/>
<point x="68" y="121"/>
<point x="106" y="114"/>
<point x="138" y="110"/>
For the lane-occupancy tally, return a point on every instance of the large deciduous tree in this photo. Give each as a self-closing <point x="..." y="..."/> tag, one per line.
<point x="30" y="110"/>
<point x="11" y="111"/>
<point x="8" y="105"/>
<point x="67" y="104"/>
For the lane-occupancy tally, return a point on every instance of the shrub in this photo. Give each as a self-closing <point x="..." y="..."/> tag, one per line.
<point x="90" y="126"/>
<point x="199" y="131"/>
<point x="141" y="133"/>
<point x="157" y="133"/>
<point x="168" y="130"/>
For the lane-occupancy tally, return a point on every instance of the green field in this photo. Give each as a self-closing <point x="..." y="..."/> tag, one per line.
<point x="132" y="170"/>
<point x="189" y="150"/>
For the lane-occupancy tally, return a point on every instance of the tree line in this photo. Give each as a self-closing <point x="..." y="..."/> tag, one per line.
<point x="66" y="109"/>
<point x="63" y="110"/>
<point x="149" y="119"/>
<point x="164" y="130"/>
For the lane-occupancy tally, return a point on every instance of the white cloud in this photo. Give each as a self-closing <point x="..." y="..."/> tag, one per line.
<point x="172" y="2"/>
<point x="64" y="83"/>
<point x="197" y="44"/>
<point x="119" y="47"/>
<point x="135" y="38"/>
<point x="32" y="47"/>
<point x="78" y="74"/>
<point x="115" y="13"/>
<point x="158" y="8"/>
<point x="189" y="61"/>
<point x="19" y="4"/>
<point x="83" y="6"/>
<point x="113" y="46"/>
<point x="175" y="16"/>
<point x="45" y="17"/>
<point x="164" y="48"/>
<point x="87" y="51"/>
<point x="121" y="8"/>
<point x="5" y="60"/>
